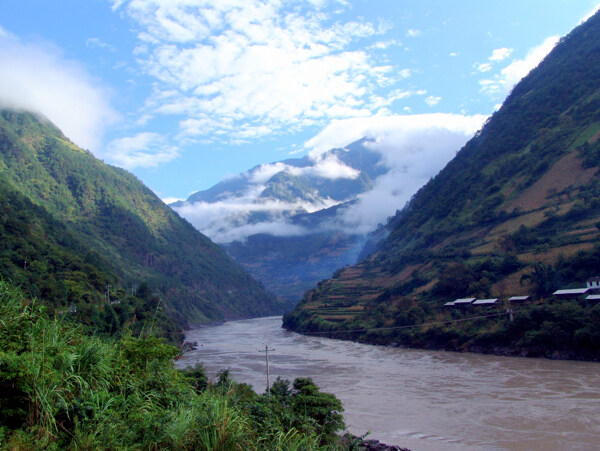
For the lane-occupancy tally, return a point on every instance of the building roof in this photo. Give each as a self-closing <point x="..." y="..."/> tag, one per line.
<point x="449" y="304"/>
<point x="519" y="298"/>
<point x="485" y="301"/>
<point x="464" y="301"/>
<point x="571" y="291"/>
<point x="593" y="297"/>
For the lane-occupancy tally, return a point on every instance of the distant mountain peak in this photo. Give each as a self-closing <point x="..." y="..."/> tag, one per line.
<point x="334" y="198"/>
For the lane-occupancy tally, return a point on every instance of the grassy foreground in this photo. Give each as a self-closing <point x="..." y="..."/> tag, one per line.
<point x="63" y="389"/>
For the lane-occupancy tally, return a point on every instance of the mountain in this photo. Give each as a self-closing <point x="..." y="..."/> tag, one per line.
<point x="74" y="228"/>
<point x="284" y="221"/>
<point x="516" y="212"/>
<point x="337" y="175"/>
<point x="292" y="223"/>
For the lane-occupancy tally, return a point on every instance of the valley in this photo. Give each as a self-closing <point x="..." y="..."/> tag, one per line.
<point x="516" y="212"/>
<point x="402" y="250"/>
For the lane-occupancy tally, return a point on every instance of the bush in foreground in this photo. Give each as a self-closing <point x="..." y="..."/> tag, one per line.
<point x="63" y="389"/>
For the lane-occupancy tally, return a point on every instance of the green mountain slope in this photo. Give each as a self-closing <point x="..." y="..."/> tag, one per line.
<point x="517" y="211"/>
<point x="82" y="225"/>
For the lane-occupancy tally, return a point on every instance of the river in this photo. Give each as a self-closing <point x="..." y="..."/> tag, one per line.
<point x="422" y="400"/>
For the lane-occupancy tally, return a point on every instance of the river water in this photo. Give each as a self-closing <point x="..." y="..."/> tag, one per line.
<point x="422" y="400"/>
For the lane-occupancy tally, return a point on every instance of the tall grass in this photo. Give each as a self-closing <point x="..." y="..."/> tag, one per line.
<point x="63" y="389"/>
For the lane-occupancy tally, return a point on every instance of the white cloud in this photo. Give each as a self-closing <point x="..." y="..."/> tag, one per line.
<point x="591" y="13"/>
<point x="484" y="67"/>
<point x="225" y="220"/>
<point x="500" y="54"/>
<point x="382" y="45"/>
<point x="432" y="100"/>
<point x="143" y="149"/>
<point x="413" y="33"/>
<point x="242" y="69"/>
<point x="325" y="166"/>
<point x="501" y="84"/>
<point x="170" y="200"/>
<point x="497" y="55"/>
<point x="230" y="218"/>
<point x="340" y="133"/>
<point x="275" y="228"/>
<point x="38" y="78"/>
<point x="265" y="171"/>
<point x="97" y="43"/>
<point x="332" y="168"/>
<point x="415" y="148"/>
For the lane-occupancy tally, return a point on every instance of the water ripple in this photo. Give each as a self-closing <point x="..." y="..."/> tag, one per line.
<point x="422" y="400"/>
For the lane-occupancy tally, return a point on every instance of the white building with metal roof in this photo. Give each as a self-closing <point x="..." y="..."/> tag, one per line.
<point x="518" y="298"/>
<point x="593" y="298"/>
<point x="571" y="292"/>
<point x="593" y="283"/>
<point x="465" y="301"/>
<point x="486" y="302"/>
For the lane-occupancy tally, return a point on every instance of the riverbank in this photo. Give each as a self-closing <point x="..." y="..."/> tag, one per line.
<point x="419" y="399"/>
<point x="463" y="347"/>
<point x="554" y="329"/>
<point x="364" y="444"/>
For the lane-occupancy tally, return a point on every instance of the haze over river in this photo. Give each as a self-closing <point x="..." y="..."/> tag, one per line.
<point x="423" y="400"/>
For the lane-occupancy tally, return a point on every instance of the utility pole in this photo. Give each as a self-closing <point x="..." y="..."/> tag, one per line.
<point x="266" y="351"/>
<point x="108" y="294"/>
<point x="509" y="314"/>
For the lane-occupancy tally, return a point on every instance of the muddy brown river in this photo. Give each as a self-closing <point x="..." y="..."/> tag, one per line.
<point x="422" y="400"/>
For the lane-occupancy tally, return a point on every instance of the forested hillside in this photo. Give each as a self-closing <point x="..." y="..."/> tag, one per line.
<point x="516" y="212"/>
<point x="75" y="231"/>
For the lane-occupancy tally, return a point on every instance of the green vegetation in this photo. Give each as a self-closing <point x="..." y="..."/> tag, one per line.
<point x="63" y="389"/>
<point x="545" y="327"/>
<point x="515" y="212"/>
<point x="72" y="225"/>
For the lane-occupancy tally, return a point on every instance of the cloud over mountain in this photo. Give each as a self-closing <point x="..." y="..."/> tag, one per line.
<point x="510" y="75"/>
<point x="409" y="149"/>
<point x="35" y="76"/>
<point x="414" y="148"/>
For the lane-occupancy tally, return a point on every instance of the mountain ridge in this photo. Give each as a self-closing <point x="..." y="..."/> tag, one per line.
<point x="515" y="212"/>
<point x="113" y="215"/>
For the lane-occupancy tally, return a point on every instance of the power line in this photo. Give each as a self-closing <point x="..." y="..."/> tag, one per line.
<point x="409" y="326"/>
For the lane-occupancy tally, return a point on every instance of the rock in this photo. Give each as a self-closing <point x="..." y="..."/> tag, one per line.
<point x="359" y="443"/>
<point x="189" y="346"/>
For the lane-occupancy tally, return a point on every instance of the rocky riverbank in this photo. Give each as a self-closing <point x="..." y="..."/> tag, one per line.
<point x="363" y="444"/>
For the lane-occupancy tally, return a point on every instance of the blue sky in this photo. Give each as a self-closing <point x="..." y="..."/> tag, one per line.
<point x="184" y="93"/>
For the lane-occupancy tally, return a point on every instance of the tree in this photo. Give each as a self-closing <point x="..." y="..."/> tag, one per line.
<point x="543" y="277"/>
<point x="454" y="280"/>
<point x="323" y="410"/>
